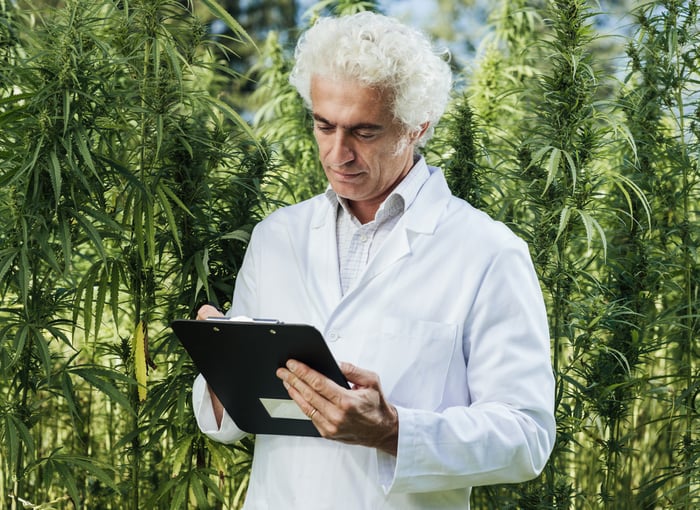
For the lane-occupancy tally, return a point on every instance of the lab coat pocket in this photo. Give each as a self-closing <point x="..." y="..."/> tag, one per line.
<point x="415" y="358"/>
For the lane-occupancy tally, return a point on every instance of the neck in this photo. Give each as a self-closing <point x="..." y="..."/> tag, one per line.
<point x="363" y="211"/>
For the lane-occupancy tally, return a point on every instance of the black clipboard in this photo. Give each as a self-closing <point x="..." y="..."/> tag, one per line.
<point x="239" y="360"/>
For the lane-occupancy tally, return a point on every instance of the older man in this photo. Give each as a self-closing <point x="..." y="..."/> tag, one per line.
<point x="433" y="307"/>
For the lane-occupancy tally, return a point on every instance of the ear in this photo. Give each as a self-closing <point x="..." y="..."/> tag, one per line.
<point x="415" y="135"/>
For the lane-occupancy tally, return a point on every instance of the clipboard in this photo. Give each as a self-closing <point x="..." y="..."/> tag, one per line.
<point x="239" y="360"/>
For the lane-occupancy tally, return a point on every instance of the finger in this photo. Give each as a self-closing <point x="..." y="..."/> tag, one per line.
<point x="314" y="387"/>
<point x="300" y="392"/>
<point x="315" y="381"/>
<point x="206" y="311"/>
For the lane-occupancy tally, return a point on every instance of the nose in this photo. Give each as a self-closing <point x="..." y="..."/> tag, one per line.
<point x="341" y="151"/>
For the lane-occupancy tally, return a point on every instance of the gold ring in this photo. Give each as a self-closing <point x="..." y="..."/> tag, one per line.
<point x="311" y="414"/>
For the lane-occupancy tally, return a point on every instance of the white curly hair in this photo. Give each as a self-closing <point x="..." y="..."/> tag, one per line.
<point x="377" y="51"/>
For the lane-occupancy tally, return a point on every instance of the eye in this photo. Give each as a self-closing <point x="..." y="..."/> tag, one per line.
<point x="365" y="135"/>
<point x="324" y="128"/>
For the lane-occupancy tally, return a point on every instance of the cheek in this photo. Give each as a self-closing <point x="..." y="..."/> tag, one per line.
<point x="320" y="144"/>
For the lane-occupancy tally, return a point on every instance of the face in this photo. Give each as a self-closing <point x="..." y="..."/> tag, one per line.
<point x="357" y="138"/>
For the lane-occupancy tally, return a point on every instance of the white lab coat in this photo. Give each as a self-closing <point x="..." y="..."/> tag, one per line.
<point x="449" y="313"/>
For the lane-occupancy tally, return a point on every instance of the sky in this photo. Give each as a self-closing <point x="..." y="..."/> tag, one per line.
<point x="419" y="13"/>
<point x="397" y="8"/>
<point x="473" y="23"/>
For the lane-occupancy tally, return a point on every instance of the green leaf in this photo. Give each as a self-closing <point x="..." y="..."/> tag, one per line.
<point x="563" y="221"/>
<point x="55" y="174"/>
<point x="217" y="10"/>
<point x="17" y="435"/>
<point x="552" y="167"/>
<point x="229" y="112"/>
<point x="177" y="455"/>
<point x="39" y="341"/>
<point x="92" y="234"/>
<point x="237" y="235"/>
<point x="66" y="466"/>
<point x="591" y="223"/>
<point x="8" y="256"/>
<point x="84" y="151"/>
<point x="201" y="262"/>
<point x="102" y="288"/>
<point x="163" y="193"/>
<point x="101" y="379"/>
<point x="114" y="293"/>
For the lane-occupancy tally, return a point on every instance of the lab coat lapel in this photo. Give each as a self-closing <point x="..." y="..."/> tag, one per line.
<point x="421" y="218"/>
<point x="321" y="273"/>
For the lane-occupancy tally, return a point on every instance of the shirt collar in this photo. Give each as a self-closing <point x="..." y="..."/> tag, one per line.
<point x="400" y="199"/>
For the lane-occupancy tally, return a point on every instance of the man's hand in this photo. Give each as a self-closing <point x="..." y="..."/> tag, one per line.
<point x="360" y="415"/>
<point x="206" y="311"/>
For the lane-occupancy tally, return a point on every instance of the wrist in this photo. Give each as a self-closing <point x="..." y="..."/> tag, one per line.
<point x="390" y="440"/>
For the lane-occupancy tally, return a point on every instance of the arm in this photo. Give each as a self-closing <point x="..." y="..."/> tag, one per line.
<point x="506" y="431"/>
<point x="204" y="313"/>
<point x="223" y="431"/>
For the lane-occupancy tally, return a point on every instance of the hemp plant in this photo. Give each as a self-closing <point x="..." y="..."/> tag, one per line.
<point x="661" y="104"/>
<point x="116" y="150"/>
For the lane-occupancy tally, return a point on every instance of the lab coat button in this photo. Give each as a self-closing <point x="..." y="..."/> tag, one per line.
<point x="333" y="336"/>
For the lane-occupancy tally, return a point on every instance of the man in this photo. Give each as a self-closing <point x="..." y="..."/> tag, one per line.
<point x="434" y="308"/>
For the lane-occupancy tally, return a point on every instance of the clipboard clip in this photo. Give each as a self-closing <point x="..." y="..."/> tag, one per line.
<point x="242" y="318"/>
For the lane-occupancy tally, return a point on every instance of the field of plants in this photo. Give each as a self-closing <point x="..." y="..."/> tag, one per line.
<point x="138" y="148"/>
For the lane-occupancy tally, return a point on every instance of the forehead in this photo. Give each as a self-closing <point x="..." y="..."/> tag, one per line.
<point x="349" y="102"/>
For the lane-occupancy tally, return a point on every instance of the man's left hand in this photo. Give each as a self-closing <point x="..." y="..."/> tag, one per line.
<point x="360" y="415"/>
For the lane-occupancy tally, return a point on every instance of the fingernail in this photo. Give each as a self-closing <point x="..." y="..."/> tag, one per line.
<point x="291" y="365"/>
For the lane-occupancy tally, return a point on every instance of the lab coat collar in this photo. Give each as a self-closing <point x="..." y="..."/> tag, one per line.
<point x="420" y="218"/>
<point x="423" y="215"/>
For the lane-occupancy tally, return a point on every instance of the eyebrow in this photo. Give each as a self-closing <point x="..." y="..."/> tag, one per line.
<point x="365" y="125"/>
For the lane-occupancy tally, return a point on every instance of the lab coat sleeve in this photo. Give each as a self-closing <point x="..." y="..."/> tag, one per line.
<point x="227" y="432"/>
<point x="506" y="433"/>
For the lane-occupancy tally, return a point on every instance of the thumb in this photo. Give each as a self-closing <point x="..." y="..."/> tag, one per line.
<point x="359" y="376"/>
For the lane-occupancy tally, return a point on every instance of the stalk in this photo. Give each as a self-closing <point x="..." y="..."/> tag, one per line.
<point x="689" y="318"/>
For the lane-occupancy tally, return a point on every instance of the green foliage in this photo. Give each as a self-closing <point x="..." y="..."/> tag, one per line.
<point x="129" y="192"/>
<point x="130" y="181"/>
<point x="282" y="118"/>
<point x="605" y="190"/>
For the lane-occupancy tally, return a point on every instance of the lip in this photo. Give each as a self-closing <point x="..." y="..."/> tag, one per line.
<point x="345" y="176"/>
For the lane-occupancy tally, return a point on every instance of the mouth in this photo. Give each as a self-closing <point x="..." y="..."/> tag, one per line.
<point x="345" y="176"/>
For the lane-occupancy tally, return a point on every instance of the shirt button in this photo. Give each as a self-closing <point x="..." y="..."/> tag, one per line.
<point x="363" y="238"/>
<point x="333" y="336"/>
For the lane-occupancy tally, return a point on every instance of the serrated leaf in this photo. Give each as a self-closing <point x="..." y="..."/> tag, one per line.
<point x="55" y="173"/>
<point x="201" y="263"/>
<point x="238" y="235"/>
<point x="165" y="205"/>
<point x="101" y="378"/>
<point x="141" y="372"/>
<point x="92" y="233"/>
<point x="552" y="167"/>
<point x="178" y="454"/>
<point x="217" y="10"/>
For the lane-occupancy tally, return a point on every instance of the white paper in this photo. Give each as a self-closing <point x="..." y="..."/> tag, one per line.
<point x="283" y="408"/>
